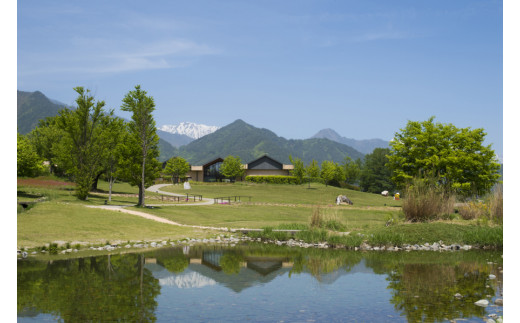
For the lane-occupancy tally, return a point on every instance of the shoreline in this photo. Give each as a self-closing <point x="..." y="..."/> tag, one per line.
<point x="232" y="241"/>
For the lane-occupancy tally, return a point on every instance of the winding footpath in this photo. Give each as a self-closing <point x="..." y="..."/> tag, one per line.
<point x="156" y="189"/>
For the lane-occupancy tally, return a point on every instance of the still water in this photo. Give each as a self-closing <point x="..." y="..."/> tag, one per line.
<point x="261" y="283"/>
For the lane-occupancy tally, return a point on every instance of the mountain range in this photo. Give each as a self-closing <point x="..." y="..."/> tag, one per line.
<point x="365" y="146"/>
<point x="200" y="144"/>
<point x="248" y="142"/>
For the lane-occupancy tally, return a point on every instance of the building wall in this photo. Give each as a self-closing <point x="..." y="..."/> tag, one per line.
<point x="196" y="176"/>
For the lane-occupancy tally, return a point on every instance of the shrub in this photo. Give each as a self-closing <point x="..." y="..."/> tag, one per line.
<point x="272" y="179"/>
<point x="53" y="248"/>
<point x="425" y="201"/>
<point x="473" y="210"/>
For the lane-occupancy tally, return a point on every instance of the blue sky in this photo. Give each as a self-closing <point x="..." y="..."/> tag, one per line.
<point x="362" y="68"/>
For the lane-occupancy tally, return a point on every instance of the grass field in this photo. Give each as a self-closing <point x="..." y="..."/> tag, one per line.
<point x="65" y="222"/>
<point x="63" y="218"/>
<point x="318" y="194"/>
<point x="259" y="216"/>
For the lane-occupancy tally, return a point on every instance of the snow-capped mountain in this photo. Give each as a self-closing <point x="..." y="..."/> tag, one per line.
<point x="190" y="129"/>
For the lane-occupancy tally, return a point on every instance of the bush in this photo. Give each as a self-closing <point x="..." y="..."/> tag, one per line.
<point x="473" y="210"/>
<point x="425" y="201"/>
<point x="272" y="179"/>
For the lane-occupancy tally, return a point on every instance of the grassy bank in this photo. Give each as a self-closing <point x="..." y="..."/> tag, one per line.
<point x="63" y="218"/>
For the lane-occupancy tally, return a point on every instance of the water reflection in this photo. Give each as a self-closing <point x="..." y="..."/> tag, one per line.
<point x="161" y="285"/>
<point x="109" y="288"/>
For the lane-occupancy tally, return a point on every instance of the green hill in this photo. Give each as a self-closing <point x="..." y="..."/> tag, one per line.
<point x="248" y="142"/>
<point x="33" y="106"/>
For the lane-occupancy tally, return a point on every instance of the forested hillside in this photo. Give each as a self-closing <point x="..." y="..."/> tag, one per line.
<point x="248" y="142"/>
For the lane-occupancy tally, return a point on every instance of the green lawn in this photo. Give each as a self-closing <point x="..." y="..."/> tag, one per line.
<point x="66" y="222"/>
<point x="318" y="194"/>
<point x="259" y="216"/>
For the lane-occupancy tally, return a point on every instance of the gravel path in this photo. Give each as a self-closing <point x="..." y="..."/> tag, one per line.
<point x="156" y="189"/>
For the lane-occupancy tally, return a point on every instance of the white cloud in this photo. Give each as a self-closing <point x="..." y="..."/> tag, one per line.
<point x="109" y="55"/>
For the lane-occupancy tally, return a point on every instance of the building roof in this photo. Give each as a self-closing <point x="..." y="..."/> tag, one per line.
<point x="264" y="162"/>
<point x="213" y="162"/>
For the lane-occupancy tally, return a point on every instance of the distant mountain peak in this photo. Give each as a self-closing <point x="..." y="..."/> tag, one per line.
<point x="365" y="146"/>
<point x="190" y="129"/>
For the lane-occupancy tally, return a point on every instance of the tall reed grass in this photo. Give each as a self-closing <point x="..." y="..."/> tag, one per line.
<point x="425" y="200"/>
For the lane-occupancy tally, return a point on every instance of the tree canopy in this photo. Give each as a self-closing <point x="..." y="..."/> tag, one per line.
<point x="331" y="172"/>
<point x="352" y="170"/>
<point x="177" y="167"/>
<point x="376" y="176"/>
<point x="84" y="138"/>
<point x="232" y="167"/>
<point x="27" y="160"/>
<point x="456" y="156"/>
<point x="299" y="168"/>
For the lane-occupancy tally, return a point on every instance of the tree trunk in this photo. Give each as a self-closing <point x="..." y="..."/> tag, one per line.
<point x="141" y="196"/>
<point x="141" y="187"/>
<point x="95" y="182"/>
<point x="111" y="181"/>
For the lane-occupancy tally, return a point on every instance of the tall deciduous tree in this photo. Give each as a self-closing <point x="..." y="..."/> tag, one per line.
<point x="140" y="163"/>
<point x="232" y="167"/>
<point x="47" y="138"/>
<point x="331" y="172"/>
<point x="376" y="176"/>
<point x="456" y="156"/>
<point x="113" y="136"/>
<point x="312" y="171"/>
<point x="84" y="128"/>
<point x="352" y="170"/>
<point x="299" y="168"/>
<point x="177" y="167"/>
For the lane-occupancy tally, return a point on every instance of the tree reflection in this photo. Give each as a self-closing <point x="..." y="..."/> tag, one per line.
<point x="424" y="288"/>
<point x="113" y="288"/>
<point x="230" y="262"/>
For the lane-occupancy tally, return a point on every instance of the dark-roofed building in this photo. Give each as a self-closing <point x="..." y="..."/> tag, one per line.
<point x="265" y="165"/>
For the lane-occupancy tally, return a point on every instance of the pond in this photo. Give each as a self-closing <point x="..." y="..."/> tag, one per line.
<point x="262" y="283"/>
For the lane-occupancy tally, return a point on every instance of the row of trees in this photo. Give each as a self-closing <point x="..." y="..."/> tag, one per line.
<point x="370" y="175"/>
<point x="88" y="141"/>
<point x="455" y="157"/>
